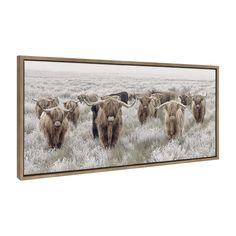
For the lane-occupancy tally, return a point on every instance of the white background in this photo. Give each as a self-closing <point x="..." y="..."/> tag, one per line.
<point x="186" y="199"/>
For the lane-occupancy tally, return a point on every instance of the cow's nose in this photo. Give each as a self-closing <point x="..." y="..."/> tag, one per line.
<point x="110" y="118"/>
<point x="57" y="123"/>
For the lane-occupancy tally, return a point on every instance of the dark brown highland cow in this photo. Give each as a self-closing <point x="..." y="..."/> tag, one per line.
<point x="186" y="99"/>
<point x="109" y="120"/>
<point x="73" y="116"/>
<point x="174" y="118"/>
<point x="199" y="107"/>
<point x="54" y="125"/>
<point x="44" y="103"/>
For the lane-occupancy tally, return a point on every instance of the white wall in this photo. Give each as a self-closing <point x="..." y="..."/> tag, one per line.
<point x="187" y="199"/>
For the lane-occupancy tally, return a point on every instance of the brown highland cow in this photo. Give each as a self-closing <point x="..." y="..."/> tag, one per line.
<point x="73" y="116"/>
<point x="146" y="108"/>
<point x="165" y="96"/>
<point x="44" y="103"/>
<point x="54" y="125"/>
<point x="109" y="120"/>
<point x="199" y="107"/>
<point x="174" y="118"/>
<point x="88" y="98"/>
<point x="186" y="99"/>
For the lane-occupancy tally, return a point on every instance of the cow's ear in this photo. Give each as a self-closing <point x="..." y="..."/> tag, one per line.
<point x="64" y="103"/>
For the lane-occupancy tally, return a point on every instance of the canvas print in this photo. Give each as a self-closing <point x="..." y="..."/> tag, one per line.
<point x="83" y="116"/>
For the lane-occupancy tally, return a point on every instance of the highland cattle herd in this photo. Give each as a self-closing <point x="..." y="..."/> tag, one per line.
<point x="107" y="113"/>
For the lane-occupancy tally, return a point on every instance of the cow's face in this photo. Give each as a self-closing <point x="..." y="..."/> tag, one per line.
<point x="171" y="109"/>
<point x="145" y="101"/>
<point x="52" y="102"/>
<point x="111" y="108"/>
<point x="70" y="105"/>
<point x="81" y="98"/>
<point x="57" y="116"/>
<point x="184" y="99"/>
<point x="198" y="101"/>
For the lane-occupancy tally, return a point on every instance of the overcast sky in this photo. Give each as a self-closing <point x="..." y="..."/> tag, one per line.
<point x="183" y="73"/>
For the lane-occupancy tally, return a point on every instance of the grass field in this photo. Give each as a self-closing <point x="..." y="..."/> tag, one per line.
<point x="137" y="144"/>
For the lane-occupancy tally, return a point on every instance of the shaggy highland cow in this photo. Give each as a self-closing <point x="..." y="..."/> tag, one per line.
<point x="88" y="98"/>
<point x="44" y="103"/>
<point x="73" y="116"/>
<point x="199" y="107"/>
<point x="174" y="118"/>
<point x="54" y="124"/>
<point x="186" y="99"/>
<point x="165" y="96"/>
<point x="146" y="108"/>
<point x="109" y="120"/>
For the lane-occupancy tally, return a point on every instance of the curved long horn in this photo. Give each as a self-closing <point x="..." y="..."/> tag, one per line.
<point x="115" y="96"/>
<point x="93" y="103"/>
<point x="49" y="109"/>
<point x="205" y="94"/>
<point x="109" y="96"/>
<point x="37" y="104"/>
<point x="126" y="105"/>
<point x="166" y="103"/>
<point x="74" y="101"/>
<point x="68" y="110"/>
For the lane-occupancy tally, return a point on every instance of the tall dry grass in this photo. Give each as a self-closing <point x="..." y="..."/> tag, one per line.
<point x="136" y="144"/>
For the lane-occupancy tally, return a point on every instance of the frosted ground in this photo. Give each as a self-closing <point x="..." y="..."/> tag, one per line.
<point x="137" y="144"/>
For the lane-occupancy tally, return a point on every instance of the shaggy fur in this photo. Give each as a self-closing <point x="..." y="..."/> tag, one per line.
<point x="186" y="99"/>
<point x="54" y="125"/>
<point x="109" y="122"/>
<point x="174" y="119"/>
<point x="44" y="103"/>
<point x="146" y="108"/>
<point x="73" y="116"/>
<point x="164" y="96"/>
<point x="90" y="98"/>
<point x="199" y="108"/>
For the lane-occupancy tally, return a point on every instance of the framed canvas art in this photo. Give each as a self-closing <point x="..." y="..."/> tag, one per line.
<point x="81" y="115"/>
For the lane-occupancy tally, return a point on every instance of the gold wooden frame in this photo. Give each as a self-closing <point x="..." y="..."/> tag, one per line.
<point x="20" y="113"/>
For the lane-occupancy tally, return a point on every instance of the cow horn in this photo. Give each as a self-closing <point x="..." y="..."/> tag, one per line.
<point x="35" y="100"/>
<point x="76" y="101"/>
<point x="68" y="110"/>
<point x="166" y="103"/>
<point x="110" y="96"/>
<point x="49" y="109"/>
<point x="93" y="103"/>
<point x="126" y="105"/>
<point x="205" y="94"/>
<point x="116" y="97"/>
